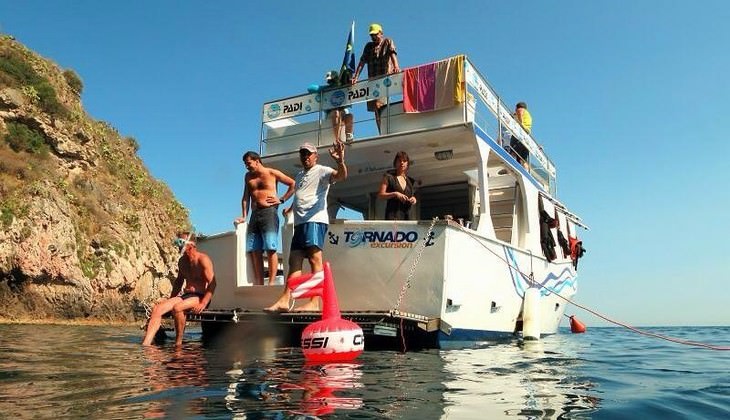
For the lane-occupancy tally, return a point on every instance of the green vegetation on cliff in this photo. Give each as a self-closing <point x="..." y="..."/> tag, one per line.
<point x="74" y="196"/>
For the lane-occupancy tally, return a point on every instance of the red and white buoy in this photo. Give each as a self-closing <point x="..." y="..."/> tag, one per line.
<point x="331" y="338"/>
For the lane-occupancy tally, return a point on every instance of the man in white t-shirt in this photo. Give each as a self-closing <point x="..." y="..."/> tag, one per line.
<point x="311" y="219"/>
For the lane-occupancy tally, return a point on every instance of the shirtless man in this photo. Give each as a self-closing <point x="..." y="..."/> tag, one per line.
<point x="195" y="270"/>
<point x="263" y="228"/>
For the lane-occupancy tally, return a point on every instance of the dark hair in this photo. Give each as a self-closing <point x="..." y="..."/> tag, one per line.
<point x="521" y="105"/>
<point x="402" y="156"/>
<point x="252" y="155"/>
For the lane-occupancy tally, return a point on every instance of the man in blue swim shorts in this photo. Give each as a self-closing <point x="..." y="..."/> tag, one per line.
<point x="310" y="216"/>
<point x="263" y="226"/>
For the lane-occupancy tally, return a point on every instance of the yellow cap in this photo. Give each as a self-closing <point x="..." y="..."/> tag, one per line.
<point x="375" y="28"/>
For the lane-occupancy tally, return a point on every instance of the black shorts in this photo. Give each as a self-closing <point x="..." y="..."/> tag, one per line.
<point x="519" y="148"/>
<point x="263" y="230"/>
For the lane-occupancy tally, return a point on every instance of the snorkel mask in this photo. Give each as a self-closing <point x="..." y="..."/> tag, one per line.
<point x="180" y="242"/>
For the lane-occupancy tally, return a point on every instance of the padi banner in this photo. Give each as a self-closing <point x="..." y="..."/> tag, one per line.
<point x="366" y="90"/>
<point x="291" y="107"/>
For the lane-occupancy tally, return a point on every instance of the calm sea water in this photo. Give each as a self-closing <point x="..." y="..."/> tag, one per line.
<point x="103" y="372"/>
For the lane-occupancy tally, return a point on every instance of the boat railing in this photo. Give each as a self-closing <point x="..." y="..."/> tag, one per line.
<point x="287" y="123"/>
<point x="496" y="120"/>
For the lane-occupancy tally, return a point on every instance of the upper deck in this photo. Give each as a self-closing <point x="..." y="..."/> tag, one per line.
<point x="289" y="122"/>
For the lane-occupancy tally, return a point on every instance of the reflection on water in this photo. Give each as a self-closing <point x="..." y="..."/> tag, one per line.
<point x="311" y="390"/>
<point x="103" y="372"/>
<point x="519" y="379"/>
<point x="168" y="371"/>
<point x="71" y="372"/>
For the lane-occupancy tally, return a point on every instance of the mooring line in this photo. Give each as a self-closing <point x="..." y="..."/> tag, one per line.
<point x="604" y="317"/>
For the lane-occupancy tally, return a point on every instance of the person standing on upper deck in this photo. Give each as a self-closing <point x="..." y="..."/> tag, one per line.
<point x="263" y="228"/>
<point x="519" y="150"/>
<point x="311" y="219"/>
<point x="381" y="57"/>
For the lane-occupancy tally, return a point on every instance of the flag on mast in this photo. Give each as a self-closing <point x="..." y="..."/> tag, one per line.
<point x="348" y="61"/>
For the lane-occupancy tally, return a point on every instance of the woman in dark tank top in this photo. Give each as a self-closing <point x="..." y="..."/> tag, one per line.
<point x="398" y="188"/>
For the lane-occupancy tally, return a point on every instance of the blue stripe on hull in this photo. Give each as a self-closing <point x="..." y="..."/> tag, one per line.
<point x="461" y="337"/>
<point x="463" y="334"/>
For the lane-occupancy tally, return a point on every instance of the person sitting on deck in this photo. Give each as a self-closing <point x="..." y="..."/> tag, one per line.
<point x="398" y="188"/>
<point x="310" y="217"/>
<point x="195" y="270"/>
<point x="518" y="150"/>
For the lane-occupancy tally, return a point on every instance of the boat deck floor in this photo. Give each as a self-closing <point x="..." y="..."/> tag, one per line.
<point x="382" y="329"/>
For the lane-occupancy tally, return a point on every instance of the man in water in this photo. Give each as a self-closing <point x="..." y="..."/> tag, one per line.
<point x="263" y="228"/>
<point x="195" y="271"/>
<point x="310" y="216"/>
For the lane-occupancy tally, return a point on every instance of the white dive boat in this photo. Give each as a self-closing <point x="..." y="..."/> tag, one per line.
<point x="460" y="270"/>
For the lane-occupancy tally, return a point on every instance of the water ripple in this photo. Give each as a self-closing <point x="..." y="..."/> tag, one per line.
<point x="103" y="372"/>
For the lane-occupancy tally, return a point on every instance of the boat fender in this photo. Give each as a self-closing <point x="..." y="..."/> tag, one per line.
<point x="576" y="327"/>
<point x="531" y="314"/>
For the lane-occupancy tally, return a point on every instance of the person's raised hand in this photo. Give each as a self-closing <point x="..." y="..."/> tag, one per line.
<point x="337" y="151"/>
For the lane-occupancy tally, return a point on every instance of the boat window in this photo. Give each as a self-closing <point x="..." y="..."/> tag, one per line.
<point x="446" y="199"/>
<point x="502" y="206"/>
<point x="342" y="210"/>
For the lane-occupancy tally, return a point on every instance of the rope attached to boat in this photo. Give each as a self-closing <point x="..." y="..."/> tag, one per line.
<point x="411" y="273"/>
<point x="604" y="317"/>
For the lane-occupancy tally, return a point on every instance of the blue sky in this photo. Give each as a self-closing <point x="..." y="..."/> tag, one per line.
<point x="629" y="98"/>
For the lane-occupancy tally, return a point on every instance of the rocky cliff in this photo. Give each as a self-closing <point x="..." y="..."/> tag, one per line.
<point x="85" y="230"/>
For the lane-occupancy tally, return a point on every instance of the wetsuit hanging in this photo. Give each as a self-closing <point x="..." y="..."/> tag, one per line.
<point x="561" y="238"/>
<point x="547" y="242"/>
<point x="576" y="248"/>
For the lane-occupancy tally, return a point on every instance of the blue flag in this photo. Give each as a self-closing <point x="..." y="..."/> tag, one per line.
<point x="348" y="62"/>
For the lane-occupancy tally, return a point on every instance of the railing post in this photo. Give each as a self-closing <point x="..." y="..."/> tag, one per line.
<point x="387" y="107"/>
<point x="319" y="119"/>
<point x="261" y="139"/>
<point x="499" y="123"/>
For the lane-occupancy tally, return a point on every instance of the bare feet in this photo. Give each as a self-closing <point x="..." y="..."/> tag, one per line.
<point x="277" y="308"/>
<point x="311" y="306"/>
<point x="281" y="305"/>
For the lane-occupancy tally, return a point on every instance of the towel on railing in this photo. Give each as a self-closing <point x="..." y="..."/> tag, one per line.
<point x="434" y="86"/>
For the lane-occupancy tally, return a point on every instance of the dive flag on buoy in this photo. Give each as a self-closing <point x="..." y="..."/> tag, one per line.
<point x="309" y="285"/>
<point x="331" y="338"/>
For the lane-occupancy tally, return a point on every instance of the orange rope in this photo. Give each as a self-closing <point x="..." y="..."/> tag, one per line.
<point x="643" y="332"/>
<point x="629" y="327"/>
